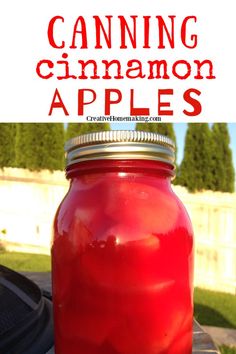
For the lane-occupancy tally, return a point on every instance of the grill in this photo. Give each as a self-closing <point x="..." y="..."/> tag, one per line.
<point x="8" y="317"/>
<point x="26" y="325"/>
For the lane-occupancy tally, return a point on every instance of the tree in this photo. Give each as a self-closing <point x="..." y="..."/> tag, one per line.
<point x="24" y="145"/>
<point x="195" y="171"/>
<point x="75" y="129"/>
<point x="40" y="146"/>
<point x="222" y="166"/>
<point x="7" y="144"/>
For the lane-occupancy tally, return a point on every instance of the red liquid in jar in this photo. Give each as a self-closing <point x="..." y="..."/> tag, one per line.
<point x="122" y="264"/>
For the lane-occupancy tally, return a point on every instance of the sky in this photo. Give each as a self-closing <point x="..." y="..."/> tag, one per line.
<point x="180" y="131"/>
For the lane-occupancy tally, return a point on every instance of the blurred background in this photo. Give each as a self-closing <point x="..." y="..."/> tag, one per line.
<point x="32" y="184"/>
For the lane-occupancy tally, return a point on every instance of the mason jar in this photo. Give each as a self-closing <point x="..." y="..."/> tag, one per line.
<point x="122" y="254"/>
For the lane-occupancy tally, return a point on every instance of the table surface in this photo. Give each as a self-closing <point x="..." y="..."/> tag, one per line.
<point x="202" y="342"/>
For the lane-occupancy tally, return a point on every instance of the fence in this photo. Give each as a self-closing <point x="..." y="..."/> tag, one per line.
<point x="213" y="215"/>
<point x="28" y="202"/>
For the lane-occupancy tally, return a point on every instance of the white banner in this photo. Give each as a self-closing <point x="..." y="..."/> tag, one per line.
<point x="87" y="61"/>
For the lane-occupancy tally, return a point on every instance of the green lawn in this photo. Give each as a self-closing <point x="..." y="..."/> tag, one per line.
<point x="26" y="262"/>
<point x="215" y="308"/>
<point x="227" y="350"/>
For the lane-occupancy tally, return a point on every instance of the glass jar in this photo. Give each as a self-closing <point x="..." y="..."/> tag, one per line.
<point x="122" y="255"/>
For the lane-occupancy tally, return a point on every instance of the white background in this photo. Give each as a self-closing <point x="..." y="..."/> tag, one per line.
<point x="23" y="30"/>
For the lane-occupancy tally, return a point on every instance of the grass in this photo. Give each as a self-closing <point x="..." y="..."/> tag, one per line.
<point x="215" y="308"/>
<point x="24" y="262"/>
<point x="227" y="350"/>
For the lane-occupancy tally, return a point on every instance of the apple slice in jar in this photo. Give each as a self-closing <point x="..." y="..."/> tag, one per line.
<point x="87" y="326"/>
<point x="138" y="204"/>
<point x="151" y="330"/>
<point x="120" y="267"/>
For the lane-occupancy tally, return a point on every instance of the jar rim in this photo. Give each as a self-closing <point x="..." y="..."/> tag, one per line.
<point x="120" y="144"/>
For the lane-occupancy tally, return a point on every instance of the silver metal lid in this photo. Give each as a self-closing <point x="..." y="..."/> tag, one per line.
<point x="120" y="144"/>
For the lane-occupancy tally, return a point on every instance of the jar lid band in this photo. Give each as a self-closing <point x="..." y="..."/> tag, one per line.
<point x="120" y="144"/>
